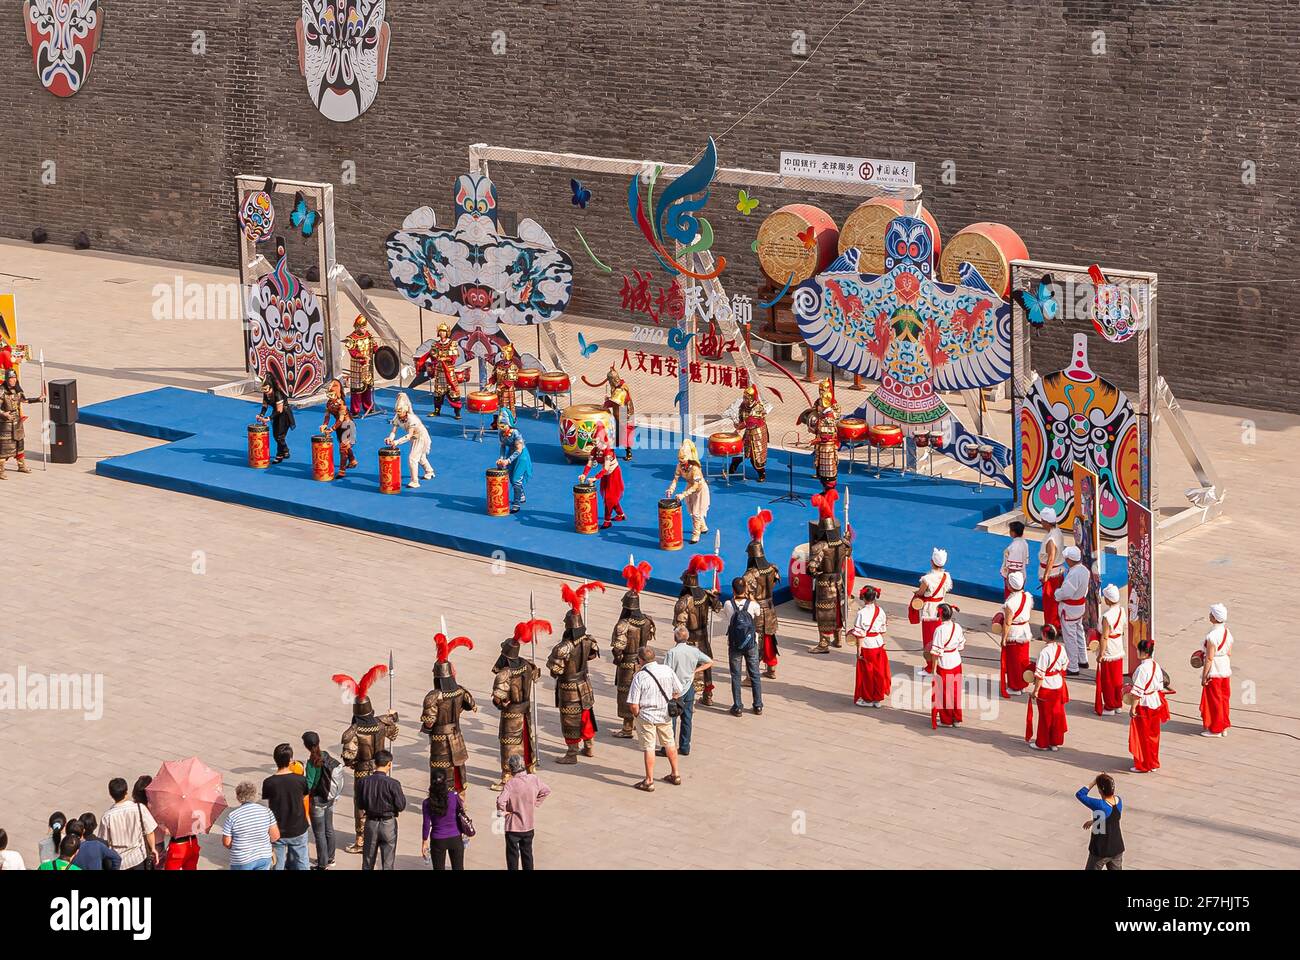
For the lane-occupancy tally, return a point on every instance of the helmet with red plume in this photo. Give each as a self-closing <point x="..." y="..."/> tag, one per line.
<point x="574" y="625"/>
<point x="698" y="564"/>
<point x="360" y="688"/>
<point x="636" y="576"/>
<point x="525" y="632"/>
<point x="442" y="672"/>
<point x="825" y="504"/>
<point x="757" y="524"/>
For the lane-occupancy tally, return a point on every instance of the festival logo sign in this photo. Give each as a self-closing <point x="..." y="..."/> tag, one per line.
<point x="343" y="54"/>
<point x="63" y="35"/>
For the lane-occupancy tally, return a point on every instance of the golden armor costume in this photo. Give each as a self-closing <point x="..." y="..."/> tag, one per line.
<point x="692" y="610"/>
<point x="365" y="737"/>
<point x="633" y="631"/>
<point x="826" y="560"/>
<point x="440" y="718"/>
<point x="618" y="401"/>
<point x="761" y="577"/>
<point x="568" y="665"/>
<point x="360" y="346"/>
<point x="512" y="694"/>
<point x="505" y="374"/>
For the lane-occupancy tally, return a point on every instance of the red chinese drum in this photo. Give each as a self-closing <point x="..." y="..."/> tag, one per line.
<point x="670" y="524"/>
<point x="885" y="434"/>
<point x="726" y="444"/>
<point x="527" y="379"/>
<point x="482" y="401"/>
<point x="801" y="585"/>
<point x="390" y="470"/>
<point x="851" y="430"/>
<point x="989" y="248"/>
<point x="585" y="514"/>
<point x="259" y="446"/>
<point x="322" y="457"/>
<point x="553" y="382"/>
<point x="498" y="492"/>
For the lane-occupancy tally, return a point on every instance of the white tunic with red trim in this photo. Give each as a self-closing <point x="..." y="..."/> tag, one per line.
<point x="934" y="588"/>
<point x="949" y="640"/>
<point x="1015" y="557"/>
<point x="1114" y="632"/>
<point x="1072" y="594"/>
<point x="1148" y="681"/>
<point x="1016" y="612"/>
<point x="1057" y="538"/>
<point x="1050" y="668"/>
<point x="1218" y="650"/>
<point x="870" y="626"/>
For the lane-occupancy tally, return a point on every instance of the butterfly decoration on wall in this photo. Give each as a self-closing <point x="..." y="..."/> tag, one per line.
<point x="581" y="195"/>
<point x="807" y="238"/>
<point x="745" y="203"/>
<point x="586" y="348"/>
<point x="678" y="339"/>
<point x="302" y="217"/>
<point x="1040" y="303"/>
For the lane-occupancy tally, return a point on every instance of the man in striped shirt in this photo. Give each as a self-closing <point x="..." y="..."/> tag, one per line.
<point x="249" y="831"/>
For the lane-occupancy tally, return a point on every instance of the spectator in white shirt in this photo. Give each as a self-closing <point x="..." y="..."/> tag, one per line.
<point x="128" y="828"/>
<point x="9" y="859"/>
<point x="653" y="685"/>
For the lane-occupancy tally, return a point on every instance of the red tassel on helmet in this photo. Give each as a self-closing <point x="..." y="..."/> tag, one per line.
<point x="825" y="503"/>
<point x="525" y="630"/>
<point x="758" y="523"/>
<point x="704" y="561"/>
<point x="574" y="597"/>
<point x="637" y="576"/>
<point x="359" y="690"/>
<point x="445" y="647"/>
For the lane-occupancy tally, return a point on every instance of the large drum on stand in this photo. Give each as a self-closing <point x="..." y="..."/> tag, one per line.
<point x="498" y="492"/>
<point x="578" y="426"/>
<point x="322" y="457"/>
<point x="390" y="470"/>
<point x="989" y="248"/>
<point x="726" y="444"/>
<point x="586" y="514"/>
<point x="670" y="524"/>
<point x="784" y="253"/>
<point x="801" y="582"/>
<point x="527" y="379"/>
<point x="259" y="446"/>
<point x="865" y="229"/>
<point x="481" y="401"/>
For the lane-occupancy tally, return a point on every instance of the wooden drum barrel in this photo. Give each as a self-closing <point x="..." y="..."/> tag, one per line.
<point x="527" y="379"/>
<point x="782" y="253"/>
<point x="586" y="516"/>
<point x="259" y="446"/>
<point x="989" y="248"/>
<point x="322" y="457"/>
<point x="670" y="524"/>
<point x="865" y="229"/>
<point x="498" y="492"/>
<point x="578" y="427"/>
<point x="390" y="470"/>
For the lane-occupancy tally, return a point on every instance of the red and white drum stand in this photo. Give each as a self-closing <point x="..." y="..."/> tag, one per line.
<point x="724" y="446"/>
<point x="482" y="402"/>
<point x="852" y="432"/>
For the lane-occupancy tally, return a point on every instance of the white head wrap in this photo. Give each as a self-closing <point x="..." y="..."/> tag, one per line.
<point x="1049" y="515"/>
<point x="1111" y="593"/>
<point x="1016" y="580"/>
<point x="1072" y="554"/>
<point x="1218" y="613"/>
<point x="938" y="557"/>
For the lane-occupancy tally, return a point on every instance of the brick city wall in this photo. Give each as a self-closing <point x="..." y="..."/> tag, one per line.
<point x="1131" y="158"/>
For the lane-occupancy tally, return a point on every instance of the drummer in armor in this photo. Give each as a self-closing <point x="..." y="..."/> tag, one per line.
<point x="824" y="422"/>
<point x="751" y="421"/>
<point x="761" y="577"/>
<point x="512" y="694"/>
<point x="440" y="718"/>
<point x="692" y="610"/>
<point x="365" y="737"/>
<point x="360" y="346"/>
<point x="618" y="401"/>
<point x="505" y="374"/>
<point x="826" y="563"/>
<point x="633" y="631"/>
<point x="568" y="665"/>
<point x="443" y="356"/>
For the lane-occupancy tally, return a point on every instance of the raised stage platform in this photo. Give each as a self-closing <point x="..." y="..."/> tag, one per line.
<point x="897" y="519"/>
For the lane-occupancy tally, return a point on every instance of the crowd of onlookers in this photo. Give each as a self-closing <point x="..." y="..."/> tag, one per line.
<point x="276" y="827"/>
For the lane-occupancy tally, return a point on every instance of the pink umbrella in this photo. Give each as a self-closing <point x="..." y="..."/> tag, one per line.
<point x="186" y="796"/>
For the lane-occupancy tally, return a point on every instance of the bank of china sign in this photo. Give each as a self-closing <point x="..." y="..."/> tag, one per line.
<point x="890" y="174"/>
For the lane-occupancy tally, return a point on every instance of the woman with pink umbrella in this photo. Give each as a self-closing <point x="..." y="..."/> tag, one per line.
<point x="186" y="798"/>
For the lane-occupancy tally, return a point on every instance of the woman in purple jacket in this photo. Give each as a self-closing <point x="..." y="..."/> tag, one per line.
<point x="441" y="832"/>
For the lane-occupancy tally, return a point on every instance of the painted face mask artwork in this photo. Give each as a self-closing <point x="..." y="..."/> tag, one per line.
<point x="343" y="54"/>
<point x="286" y="330"/>
<point x="63" y="35"/>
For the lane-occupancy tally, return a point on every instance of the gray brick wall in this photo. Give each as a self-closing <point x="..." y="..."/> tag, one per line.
<point x="1132" y="159"/>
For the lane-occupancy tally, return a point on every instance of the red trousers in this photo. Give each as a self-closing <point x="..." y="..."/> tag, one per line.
<point x="1144" y="735"/>
<point x="1110" y="685"/>
<point x="769" y="650"/>
<point x="1215" y="696"/>
<point x="1051" y="613"/>
<point x="588" y="729"/>
<point x="1051" y="716"/>
<point x="946" y="695"/>
<point x="1015" y="661"/>
<point x="182" y="854"/>
<point x="927" y="632"/>
<point x="873" y="681"/>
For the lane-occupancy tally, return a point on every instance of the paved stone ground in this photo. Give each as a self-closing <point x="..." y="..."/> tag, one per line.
<point x="227" y="662"/>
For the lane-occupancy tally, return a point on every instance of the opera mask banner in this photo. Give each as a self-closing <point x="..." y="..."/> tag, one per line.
<point x="343" y="54"/>
<point x="63" y="35"/>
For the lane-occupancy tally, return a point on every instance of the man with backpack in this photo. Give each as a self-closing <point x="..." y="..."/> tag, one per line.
<point x="688" y="662"/>
<point x="743" y="616"/>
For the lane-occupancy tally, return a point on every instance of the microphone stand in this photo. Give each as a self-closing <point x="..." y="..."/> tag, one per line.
<point x="790" y="496"/>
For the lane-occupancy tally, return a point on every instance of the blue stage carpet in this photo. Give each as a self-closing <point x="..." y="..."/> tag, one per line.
<point x="897" y="520"/>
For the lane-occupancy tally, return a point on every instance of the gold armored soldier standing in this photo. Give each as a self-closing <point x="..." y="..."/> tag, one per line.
<point x="568" y="665"/>
<point x="505" y="374"/>
<point x="440" y="718"/>
<point x="367" y="735"/>
<point x="692" y="611"/>
<point x="824" y="422"/>
<point x="826" y="562"/>
<point x="751" y="422"/>
<point x="512" y="694"/>
<point x="633" y="631"/>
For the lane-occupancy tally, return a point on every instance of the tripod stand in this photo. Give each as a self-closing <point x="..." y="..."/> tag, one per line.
<point x="790" y="496"/>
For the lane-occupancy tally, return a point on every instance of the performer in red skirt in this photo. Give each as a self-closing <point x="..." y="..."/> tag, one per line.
<point x="946" y="695"/>
<point x="1149" y="711"/>
<point x="934" y="587"/>
<point x="1050" y="692"/>
<point x="1016" y="611"/>
<point x="1216" y="674"/>
<point x="605" y="458"/>
<point x="1113" y="643"/>
<point x="1051" y="566"/>
<point x="871" y="688"/>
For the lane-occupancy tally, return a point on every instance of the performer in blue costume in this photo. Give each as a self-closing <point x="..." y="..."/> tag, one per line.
<point x="514" y="457"/>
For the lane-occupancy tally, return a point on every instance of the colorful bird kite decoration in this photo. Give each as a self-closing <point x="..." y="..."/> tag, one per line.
<point x="672" y="218"/>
